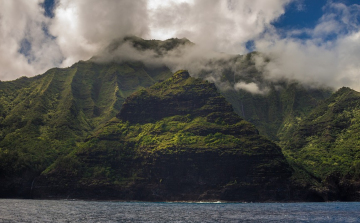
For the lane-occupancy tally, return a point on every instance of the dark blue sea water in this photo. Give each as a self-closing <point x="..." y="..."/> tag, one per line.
<point x="12" y="210"/>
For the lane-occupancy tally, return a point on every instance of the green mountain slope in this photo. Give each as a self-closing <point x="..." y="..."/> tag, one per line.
<point x="276" y="107"/>
<point x="46" y="116"/>
<point x="67" y="121"/>
<point x="326" y="144"/>
<point x="276" y="112"/>
<point x="177" y="140"/>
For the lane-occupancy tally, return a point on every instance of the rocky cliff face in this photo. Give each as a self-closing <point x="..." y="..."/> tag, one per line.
<point x="177" y="140"/>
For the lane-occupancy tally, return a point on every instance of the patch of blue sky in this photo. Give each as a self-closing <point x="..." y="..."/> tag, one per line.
<point x="301" y="18"/>
<point x="49" y="6"/>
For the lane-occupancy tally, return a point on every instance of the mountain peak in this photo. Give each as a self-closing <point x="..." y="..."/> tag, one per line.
<point x="181" y="74"/>
<point x="344" y="90"/>
<point x="141" y="44"/>
<point x="179" y="95"/>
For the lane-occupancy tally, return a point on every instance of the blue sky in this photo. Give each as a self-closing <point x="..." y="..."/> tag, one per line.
<point x="49" y="6"/>
<point x="305" y="14"/>
<point x="298" y="14"/>
<point x="312" y="41"/>
<point x="301" y="14"/>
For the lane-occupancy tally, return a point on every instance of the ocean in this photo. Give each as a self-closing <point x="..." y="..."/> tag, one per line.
<point x="18" y="210"/>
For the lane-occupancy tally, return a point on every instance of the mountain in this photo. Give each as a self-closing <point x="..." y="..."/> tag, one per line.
<point x="46" y="116"/>
<point x="136" y="48"/>
<point x="158" y="46"/>
<point x="83" y="127"/>
<point x="326" y="145"/>
<point x="276" y="107"/>
<point x="176" y="140"/>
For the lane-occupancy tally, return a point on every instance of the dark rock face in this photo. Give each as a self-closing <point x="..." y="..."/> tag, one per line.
<point x="211" y="176"/>
<point x="177" y="140"/>
<point x="197" y="99"/>
<point x="188" y="176"/>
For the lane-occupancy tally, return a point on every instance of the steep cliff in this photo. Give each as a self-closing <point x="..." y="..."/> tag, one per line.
<point x="45" y="116"/>
<point x="177" y="140"/>
<point x="274" y="106"/>
<point x="326" y="145"/>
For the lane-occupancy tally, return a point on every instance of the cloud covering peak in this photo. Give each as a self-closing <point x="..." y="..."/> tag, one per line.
<point x="80" y="29"/>
<point x="33" y="41"/>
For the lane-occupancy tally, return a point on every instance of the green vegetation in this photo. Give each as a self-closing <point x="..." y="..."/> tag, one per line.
<point x="327" y="141"/>
<point x="277" y="110"/>
<point x="318" y="134"/>
<point x="47" y="116"/>
<point x="115" y="148"/>
<point x="181" y="120"/>
<point x="121" y="125"/>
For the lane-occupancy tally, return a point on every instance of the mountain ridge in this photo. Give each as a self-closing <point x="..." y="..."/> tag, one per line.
<point x="326" y="144"/>
<point x="204" y="153"/>
<point x="47" y="119"/>
<point x="44" y="117"/>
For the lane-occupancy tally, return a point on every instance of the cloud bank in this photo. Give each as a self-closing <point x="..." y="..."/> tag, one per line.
<point x="329" y="57"/>
<point x="33" y="42"/>
<point x="25" y="48"/>
<point x="80" y="29"/>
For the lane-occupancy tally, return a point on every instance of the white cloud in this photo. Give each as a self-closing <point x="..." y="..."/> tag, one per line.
<point x="223" y="26"/>
<point x="25" y="48"/>
<point x="80" y="29"/>
<point x="84" y="27"/>
<point x="250" y="87"/>
<point x="323" y="59"/>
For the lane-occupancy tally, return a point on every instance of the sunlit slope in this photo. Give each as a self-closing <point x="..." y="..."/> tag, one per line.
<point x="326" y="144"/>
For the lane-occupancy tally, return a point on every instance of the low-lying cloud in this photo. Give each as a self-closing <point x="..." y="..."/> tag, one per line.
<point x="250" y="87"/>
<point x="195" y="58"/>
<point x="81" y="29"/>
